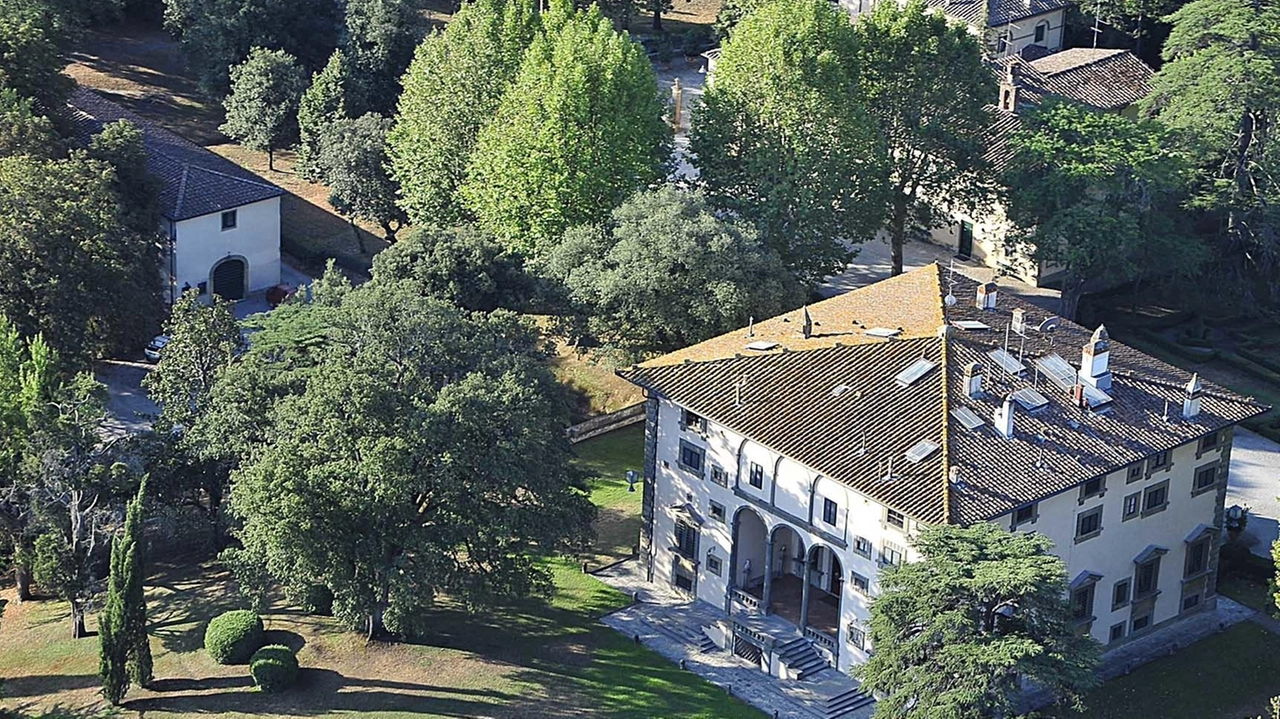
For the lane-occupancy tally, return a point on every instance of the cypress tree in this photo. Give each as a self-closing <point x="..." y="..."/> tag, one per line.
<point x="137" y="645"/>
<point x="113" y="655"/>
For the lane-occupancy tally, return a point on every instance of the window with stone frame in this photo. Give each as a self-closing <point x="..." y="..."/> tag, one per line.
<point x="686" y="539"/>
<point x="1210" y="441"/>
<point x="1026" y="514"/>
<point x="1082" y="603"/>
<point x="857" y="637"/>
<point x="1191" y="601"/>
<point x="891" y="553"/>
<point x="1117" y="632"/>
<point x="1159" y="460"/>
<point x="1155" y="498"/>
<point x="756" y="475"/>
<point x="1132" y="506"/>
<point x="1042" y="30"/>
<point x="719" y="475"/>
<point x="1088" y="524"/>
<point x="1146" y="578"/>
<point x="830" y="511"/>
<point x="1095" y="487"/>
<point x="692" y="457"/>
<point x="692" y="421"/>
<point x="716" y="510"/>
<point x="861" y="584"/>
<point x="1135" y="472"/>
<point x="1120" y="594"/>
<point x="714" y="565"/>
<point x="1206" y="479"/>
<point x="863" y="546"/>
<point x="1141" y="622"/>
<point x="1197" y="557"/>
<point x="895" y="518"/>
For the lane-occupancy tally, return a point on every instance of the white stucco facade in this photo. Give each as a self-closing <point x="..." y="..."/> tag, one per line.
<point x="200" y="244"/>
<point x="1044" y="30"/>
<point x="792" y="496"/>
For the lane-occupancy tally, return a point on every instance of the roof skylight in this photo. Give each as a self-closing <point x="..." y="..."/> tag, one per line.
<point x="914" y="371"/>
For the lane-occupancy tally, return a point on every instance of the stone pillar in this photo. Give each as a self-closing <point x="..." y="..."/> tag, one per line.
<point x="768" y="575"/>
<point x="804" y="595"/>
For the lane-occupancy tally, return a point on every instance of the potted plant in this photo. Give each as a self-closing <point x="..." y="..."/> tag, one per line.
<point x="1237" y="518"/>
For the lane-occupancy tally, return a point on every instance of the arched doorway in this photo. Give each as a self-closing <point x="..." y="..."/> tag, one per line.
<point x="824" y="589"/>
<point x="747" y="573"/>
<point x="787" y="572"/>
<point x="230" y="277"/>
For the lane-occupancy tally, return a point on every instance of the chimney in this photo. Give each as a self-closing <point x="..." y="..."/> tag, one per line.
<point x="1009" y="90"/>
<point x="1094" y="369"/>
<point x="973" y="380"/>
<point x="806" y="323"/>
<point x="1191" y="403"/>
<point x="1003" y="419"/>
<point x="986" y="299"/>
<point x="1020" y="321"/>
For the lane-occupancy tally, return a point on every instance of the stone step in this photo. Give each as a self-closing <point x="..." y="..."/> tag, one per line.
<point x="846" y="704"/>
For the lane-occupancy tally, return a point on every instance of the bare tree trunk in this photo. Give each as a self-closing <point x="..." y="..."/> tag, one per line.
<point x="1072" y="291"/>
<point x="22" y="580"/>
<point x="271" y="159"/>
<point x="898" y="233"/>
<point x="389" y="232"/>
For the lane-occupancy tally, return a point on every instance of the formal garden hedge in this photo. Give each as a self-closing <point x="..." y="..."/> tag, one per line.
<point x="274" y="668"/>
<point x="233" y="637"/>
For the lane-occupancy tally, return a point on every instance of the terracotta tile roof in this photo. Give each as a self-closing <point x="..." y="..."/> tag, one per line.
<point x="1103" y="78"/>
<point x="996" y="13"/>
<point x="195" y="181"/>
<point x="816" y="402"/>
<point x="842" y="320"/>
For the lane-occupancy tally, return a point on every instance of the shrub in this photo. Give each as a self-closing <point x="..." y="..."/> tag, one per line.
<point x="233" y="637"/>
<point x="274" y="668"/>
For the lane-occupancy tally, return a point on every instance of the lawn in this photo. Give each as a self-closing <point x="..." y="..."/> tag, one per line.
<point x="535" y="659"/>
<point x="1231" y="675"/>
<point x="608" y="458"/>
<point x="1246" y="590"/>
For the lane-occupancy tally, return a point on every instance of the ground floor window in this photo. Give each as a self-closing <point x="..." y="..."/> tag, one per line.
<point x="714" y="565"/>
<point x="1117" y="632"/>
<point x="1142" y="622"/>
<point x="857" y="637"/>
<point x="1191" y="602"/>
<point x="686" y="539"/>
<point x="682" y="578"/>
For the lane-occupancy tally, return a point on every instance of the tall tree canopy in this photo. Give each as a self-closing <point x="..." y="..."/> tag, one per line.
<point x="30" y="61"/>
<point x="1219" y="93"/>
<point x="324" y="103"/>
<point x="1098" y="196"/>
<point x="926" y="87"/>
<point x="378" y="37"/>
<point x="388" y="458"/>
<point x="24" y="131"/>
<point x="1135" y="18"/>
<point x="452" y="89"/>
<point x="217" y="35"/>
<point x="120" y="144"/>
<point x="784" y="138"/>
<point x="74" y="270"/>
<point x="262" y="109"/>
<point x="666" y="272"/>
<point x="461" y="265"/>
<point x="579" y="131"/>
<point x="956" y="632"/>
<point x="352" y="161"/>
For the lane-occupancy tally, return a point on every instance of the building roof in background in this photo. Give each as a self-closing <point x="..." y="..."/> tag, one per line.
<point x="194" y="181"/>
<point x="996" y="13"/>
<point x="1104" y="78"/>
<point x="852" y="405"/>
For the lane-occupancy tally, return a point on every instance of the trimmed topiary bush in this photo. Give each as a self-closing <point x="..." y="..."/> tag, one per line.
<point x="233" y="637"/>
<point x="274" y="668"/>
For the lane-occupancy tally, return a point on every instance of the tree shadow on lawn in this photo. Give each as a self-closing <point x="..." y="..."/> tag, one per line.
<point x="37" y="685"/>
<point x="181" y="602"/>
<point x="322" y="691"/>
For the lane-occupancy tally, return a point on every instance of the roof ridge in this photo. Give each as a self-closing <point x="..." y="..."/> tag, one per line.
<point x="263" y="184"/>
<point x="182" y="191"/>
<point x="946" y="431"/>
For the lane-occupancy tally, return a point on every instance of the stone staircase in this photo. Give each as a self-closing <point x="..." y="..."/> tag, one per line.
<point x="847" y="704"/>
<point x="800" y="658"/>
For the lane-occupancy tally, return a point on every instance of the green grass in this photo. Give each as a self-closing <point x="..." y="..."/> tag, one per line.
<point x="607" y="458"/>
<point x="1231" y="675"/>
<point x="536" y="659"/>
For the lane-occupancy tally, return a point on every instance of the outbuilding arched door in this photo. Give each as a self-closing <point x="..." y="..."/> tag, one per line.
<point x="229" y="278"/>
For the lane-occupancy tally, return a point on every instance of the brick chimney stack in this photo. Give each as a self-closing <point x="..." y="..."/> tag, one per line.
<point x="1095" y="369"/>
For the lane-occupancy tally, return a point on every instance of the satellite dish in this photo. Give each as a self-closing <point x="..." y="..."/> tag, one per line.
<point x="950" y="299"/>
<point x="1049" y="325"/>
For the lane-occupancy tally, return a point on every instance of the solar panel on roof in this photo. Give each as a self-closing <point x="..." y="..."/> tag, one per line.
<point x="967" y="417"/>
<point x="884" y="332"/>
<point x="922" y="450"/>
<point x="1007" y="362"/>
<point x="970" y="325"/>
<point x="1030" y="399"/>
<point x="1059" y="371"/>
<point x="762" y="345"/>
<point x="915" y="371"/>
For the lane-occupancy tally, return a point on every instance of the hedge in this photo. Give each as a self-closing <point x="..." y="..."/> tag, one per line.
<point x="274" y="668"/>
<point x="233" y="637"/>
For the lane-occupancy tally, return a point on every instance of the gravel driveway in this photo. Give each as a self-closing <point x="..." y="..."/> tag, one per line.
<point x="1255" y="481"/>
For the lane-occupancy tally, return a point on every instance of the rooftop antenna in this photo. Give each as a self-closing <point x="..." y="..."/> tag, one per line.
<point x="1040" y="458"/>
<point x="738" y="386"/>
<point x="1097" y="26"/>
<point x="862" y="448"/>
<point x="1166" y="410"/>
<point x="1021" y="347"/>
<point x="950" y="299"/>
